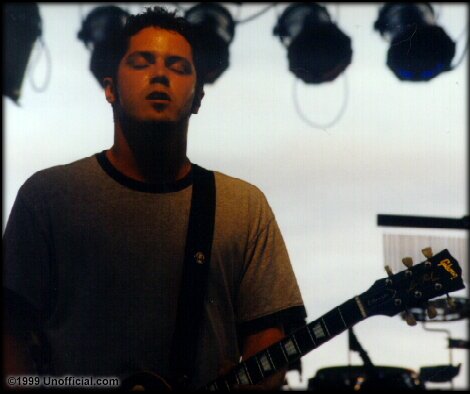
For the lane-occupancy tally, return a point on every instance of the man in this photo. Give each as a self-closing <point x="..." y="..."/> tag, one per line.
<point x="94" y="250"/>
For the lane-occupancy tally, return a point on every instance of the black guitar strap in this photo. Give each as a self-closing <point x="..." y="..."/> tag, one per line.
<point x="195" y="275"/>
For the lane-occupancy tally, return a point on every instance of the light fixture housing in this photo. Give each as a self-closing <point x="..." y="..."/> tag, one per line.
<point x="216" y="28"/>
<point x="419" y="49"/>
<point x="22" y="26"/>
<point x="99" y="32"/>
<point x="318" y="51"/>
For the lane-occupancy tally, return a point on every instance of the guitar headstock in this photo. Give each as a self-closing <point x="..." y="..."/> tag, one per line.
<point x="438" y="275"/>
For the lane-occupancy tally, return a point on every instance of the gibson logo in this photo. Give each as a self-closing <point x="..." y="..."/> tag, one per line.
<point x="447" y="265"/>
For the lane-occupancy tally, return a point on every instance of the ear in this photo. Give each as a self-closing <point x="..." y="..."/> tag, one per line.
<point x="109" y="90"/>
<point x="197" y="99"/>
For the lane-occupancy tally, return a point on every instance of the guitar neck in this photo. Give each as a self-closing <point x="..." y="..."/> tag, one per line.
<point x="293" y="347"/>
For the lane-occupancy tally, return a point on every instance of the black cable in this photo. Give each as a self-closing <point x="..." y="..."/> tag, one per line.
<point x="465" y="49"/>
<point x="328" y="124"/>
<point x="34" y="64"/>
<point x="256" y="15"/>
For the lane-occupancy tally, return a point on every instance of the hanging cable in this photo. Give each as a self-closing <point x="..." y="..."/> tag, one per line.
<point x="239" y="11"/>
<point x="81" y="14"/>
<point x="323" y="126"/>
<point x="465" y="48"/>
<point x="462" y="56"/>
<point x="34" y="63"/>
<point x="256" y="15"/>
<point x="457" y="40"/>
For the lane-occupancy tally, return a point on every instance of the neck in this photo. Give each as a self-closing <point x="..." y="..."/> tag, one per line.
<point x="151" y="153"/>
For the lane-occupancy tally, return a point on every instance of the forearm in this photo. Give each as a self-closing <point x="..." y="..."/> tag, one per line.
<point x="259" y="341"/>
<point x="17" y="359"/>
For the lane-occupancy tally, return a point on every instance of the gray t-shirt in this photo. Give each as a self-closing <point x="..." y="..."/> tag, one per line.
<point x="100" y="255"/>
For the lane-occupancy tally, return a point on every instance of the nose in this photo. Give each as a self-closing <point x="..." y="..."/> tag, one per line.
<point x="159" y="74"/>
<point x="163" y="79"/>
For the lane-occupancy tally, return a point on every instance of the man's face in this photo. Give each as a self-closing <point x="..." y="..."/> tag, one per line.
<point x="156" y="78"/>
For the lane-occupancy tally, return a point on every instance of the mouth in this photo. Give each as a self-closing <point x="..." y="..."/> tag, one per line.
<point x="158" y="96"/>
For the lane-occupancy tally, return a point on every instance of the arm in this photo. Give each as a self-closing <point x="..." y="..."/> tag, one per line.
<point x="20" y="324"/>
<point x="17" y="359"/>
<point x="257" y="341"/>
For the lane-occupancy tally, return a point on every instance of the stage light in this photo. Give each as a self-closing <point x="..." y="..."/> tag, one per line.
<point x="98" y="33"/>
<point x="22" y="26"/>
<point x="217" y="28"/>
<point x="419" y="50"/>
<point x="318" y="51"/>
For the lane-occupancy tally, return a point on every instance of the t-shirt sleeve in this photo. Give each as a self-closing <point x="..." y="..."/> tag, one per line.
<point x="27" y="274"/>
<point x="269" y="292"/>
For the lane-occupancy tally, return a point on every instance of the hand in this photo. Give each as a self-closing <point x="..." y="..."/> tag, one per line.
<point x="271" y="383"/>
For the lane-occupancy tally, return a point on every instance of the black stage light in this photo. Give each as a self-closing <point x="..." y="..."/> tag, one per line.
<point x="217" y="28"/>
<point x="318" y="51"/>
<point x="419" y="50"/>
<point x="22" y="26"/>
<point x="99" y="31"/>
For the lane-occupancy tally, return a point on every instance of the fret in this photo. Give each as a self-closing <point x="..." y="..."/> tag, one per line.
<point x="296" y="344"/>
<point x="242" y="376"/>
<point x="231" y="379"/>
<point x="342" y="319"/>
<point x="283" y="351"/>
<point x="304" y="339"/>
<point x="248" y="374"/>
<point x="311" y="336"/>
<point x="361" y="307"/>
<point x="277" y="355"/>
<point x="326" y="327"/>
<point x="351" y="312"/>
<point x="291" y="348"/>
<point x="317" y="330"/>
<point x="267" y="364"/>
<point x="254" y="368"/>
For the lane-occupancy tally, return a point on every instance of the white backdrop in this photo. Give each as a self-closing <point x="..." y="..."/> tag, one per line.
<point x="400" y="148"/>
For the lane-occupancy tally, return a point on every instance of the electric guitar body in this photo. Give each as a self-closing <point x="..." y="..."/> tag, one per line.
<point x="145" y="380"/>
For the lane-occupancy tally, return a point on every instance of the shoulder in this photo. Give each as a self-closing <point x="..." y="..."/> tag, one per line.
<point x="241" y="194"/>
<point x="47" y="183"/>
<point x="237" y="188"/>
<point x="241" y="207"/>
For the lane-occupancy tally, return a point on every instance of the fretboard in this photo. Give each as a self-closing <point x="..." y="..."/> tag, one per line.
<point x="292" y="347"/>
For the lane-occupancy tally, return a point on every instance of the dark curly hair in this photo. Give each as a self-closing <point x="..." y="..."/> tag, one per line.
<point x="114" y="50"/>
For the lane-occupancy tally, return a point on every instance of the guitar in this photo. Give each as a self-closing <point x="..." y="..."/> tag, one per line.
<point x="438" y="275"/>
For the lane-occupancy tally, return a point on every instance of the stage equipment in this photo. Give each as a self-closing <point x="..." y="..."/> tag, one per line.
<point x="217" y="29"/>
<point x="22" y="26"/>
<point x="317" y="50"/>
<point x="423" y="221"/>
<point x="358" y="378"/>
<point x="439" y="373"/>
<point x="419" y="48"/>
<point x="99" y="33"/>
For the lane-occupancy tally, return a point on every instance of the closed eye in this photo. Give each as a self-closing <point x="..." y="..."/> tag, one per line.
<point x="140" y="60"/>
<point x="180" y="65"/>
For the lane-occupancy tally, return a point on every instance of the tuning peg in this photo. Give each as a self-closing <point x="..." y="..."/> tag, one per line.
<point x="408" y="261"/>
<point x="427" y="252"/>
<point x="410" y="319"/>
<point x="432" y="311"/>
<point x="388" y="270"/>
<point x="451" y="302"/>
